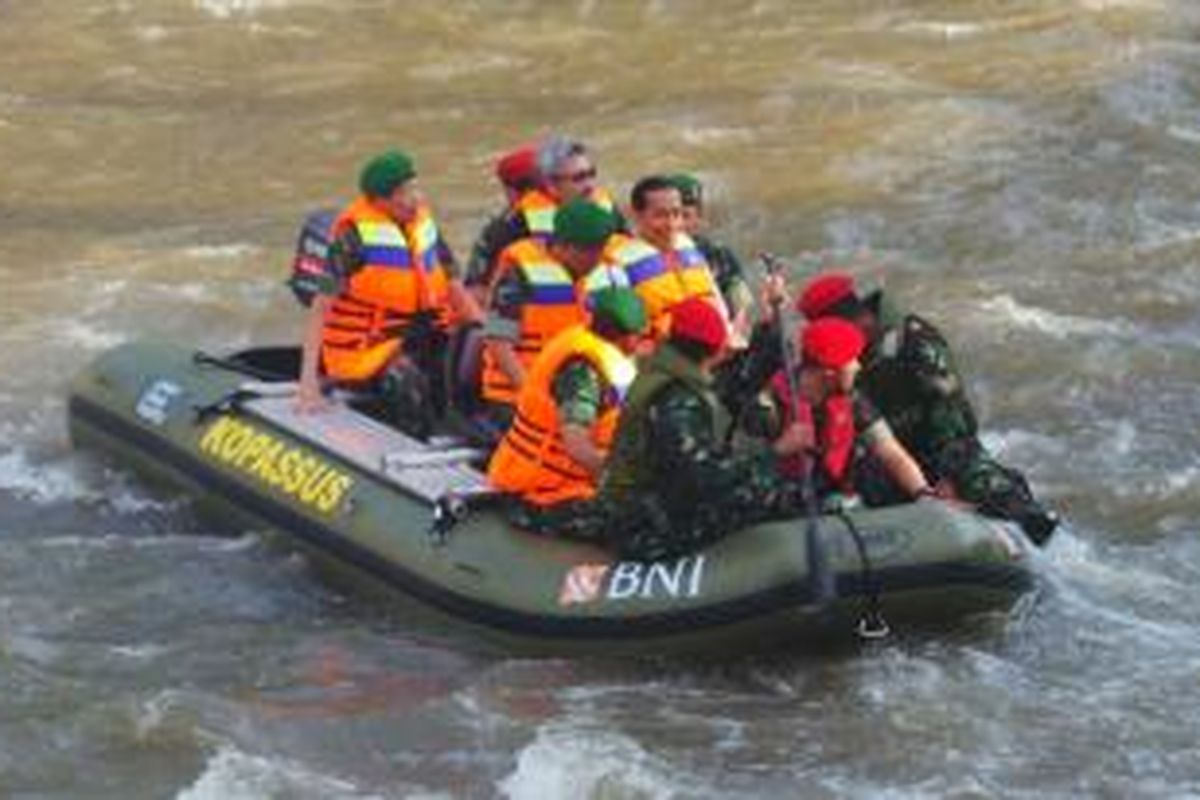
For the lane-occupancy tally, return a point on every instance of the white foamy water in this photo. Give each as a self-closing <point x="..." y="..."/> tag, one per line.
<point x="70" y="480"/>
<point x="232" y="774"/>
<point x="570" y="760"/>
<point x="226" y="9"/>
<point x="225" y="251"/>
<point x="1058" y="325"/>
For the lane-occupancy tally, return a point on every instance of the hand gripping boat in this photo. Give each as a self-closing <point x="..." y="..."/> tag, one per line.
<point x="419" y="518"/>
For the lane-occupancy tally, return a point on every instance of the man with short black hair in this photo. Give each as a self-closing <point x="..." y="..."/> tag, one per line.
<point x="662" y="263"/>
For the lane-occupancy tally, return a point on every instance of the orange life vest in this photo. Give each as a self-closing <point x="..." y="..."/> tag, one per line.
<point x="664" y="279"/>
<point x="401" y="275"/>
<point x="835" y="439"/>
<point x="531" y="460"/>
<point x="552" y="306"/>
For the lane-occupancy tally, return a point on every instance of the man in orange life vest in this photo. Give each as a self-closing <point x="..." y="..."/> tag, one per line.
<point x="662" y="263"/>
<point x="538" y="290"/>
<point x="838" y="419"/>
<point x="566" y="414"/>
<point x="393" y="291"/>
<point x="563" y="170"/>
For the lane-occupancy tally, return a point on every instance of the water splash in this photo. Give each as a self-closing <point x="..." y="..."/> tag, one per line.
<point x="71" y="479"/>
<point x="568" y="760"/>
<point x="232" y="774"/>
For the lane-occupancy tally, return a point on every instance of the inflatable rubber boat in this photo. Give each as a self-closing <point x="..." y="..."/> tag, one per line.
<point x="419" y="518"/>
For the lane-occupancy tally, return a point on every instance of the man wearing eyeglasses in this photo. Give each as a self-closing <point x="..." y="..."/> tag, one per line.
<point x="564" y="171"/>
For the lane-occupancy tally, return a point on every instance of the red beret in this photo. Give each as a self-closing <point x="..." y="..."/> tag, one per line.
<point x="824" y="292"/>
<point x="831" y="342"/>
<point x="518" y="166"/>
<point x="698" y="320"/>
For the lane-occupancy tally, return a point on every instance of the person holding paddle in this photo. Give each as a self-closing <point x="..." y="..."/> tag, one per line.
<point x="839" y="424"/>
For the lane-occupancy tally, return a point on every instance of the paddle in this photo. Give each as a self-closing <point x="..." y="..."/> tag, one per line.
<point x="821" y="580"/>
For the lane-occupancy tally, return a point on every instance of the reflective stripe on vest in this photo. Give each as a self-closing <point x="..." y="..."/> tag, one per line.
<point x="400" y="276"/>
<point x="531" y="460"/>
<point x="665" y="279"/>
<point x="835" y="439"/>
<point x="537" y="209"/>
<point x="550" y="307"/>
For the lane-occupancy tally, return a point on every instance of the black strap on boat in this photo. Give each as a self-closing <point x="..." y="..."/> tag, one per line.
<point x="233" y="401"/>
<point x="872" y="624"/>
<point x="206" y="360"/>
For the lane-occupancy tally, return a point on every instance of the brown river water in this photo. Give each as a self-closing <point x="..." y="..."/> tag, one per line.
<point x="1024" y="173"/>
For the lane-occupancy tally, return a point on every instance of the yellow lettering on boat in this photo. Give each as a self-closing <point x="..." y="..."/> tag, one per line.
<point x="294" y="471"/>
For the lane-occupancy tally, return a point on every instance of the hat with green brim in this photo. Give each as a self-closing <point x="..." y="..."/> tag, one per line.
<point x="383" y="173"/>
<point x="581" y="222"/>
<point x="691" y="191"/>
<point x="618" y="308"/>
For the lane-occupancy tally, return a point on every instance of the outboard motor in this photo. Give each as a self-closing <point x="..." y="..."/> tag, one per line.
<point x="310" y="267"/>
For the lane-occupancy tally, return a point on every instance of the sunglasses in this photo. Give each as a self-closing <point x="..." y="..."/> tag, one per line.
<point x="577" y="177"/>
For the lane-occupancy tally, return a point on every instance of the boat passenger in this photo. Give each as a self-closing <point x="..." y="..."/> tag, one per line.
<point x="566" y="413"/>
<point x="539" y="289"/>
<point x="909" y="373"/>
<point x="518" y="175"/>
<point x="379" y="324"/>
<point x="725" y="265"/>
<point x="662" y="263"/>
<point x="840" y="424"/>
<point x="671" y="486"/>
<point x="564" y="169"/>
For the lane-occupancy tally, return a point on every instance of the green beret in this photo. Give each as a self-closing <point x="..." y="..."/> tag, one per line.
<point x="619" y="307"/>
<point x="690" y="189"/>
<point x="581" y="222"/>
<point x="383" y="173"/>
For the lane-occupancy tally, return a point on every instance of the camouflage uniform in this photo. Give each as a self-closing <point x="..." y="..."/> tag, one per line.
<point x="498" y="232"/>
<point x="727" y="271"/>
<point x="910" y="374"/>
<point x="670" y="486"/>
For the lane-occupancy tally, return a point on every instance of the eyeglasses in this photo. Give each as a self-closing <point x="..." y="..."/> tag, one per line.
<point x="577" y="177"/>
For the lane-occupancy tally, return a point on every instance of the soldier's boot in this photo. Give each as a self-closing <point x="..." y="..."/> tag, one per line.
<point x="1038" y="523"/>
<point x="1016" y="502"/>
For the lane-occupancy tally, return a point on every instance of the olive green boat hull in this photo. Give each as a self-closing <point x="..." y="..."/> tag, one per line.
<point x="487" y="582"/>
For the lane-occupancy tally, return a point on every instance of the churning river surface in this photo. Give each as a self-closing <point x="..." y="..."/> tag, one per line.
<point x="1024" y="173"/>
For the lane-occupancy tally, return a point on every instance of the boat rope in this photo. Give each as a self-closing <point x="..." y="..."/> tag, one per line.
<point x="872" y="624"/>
